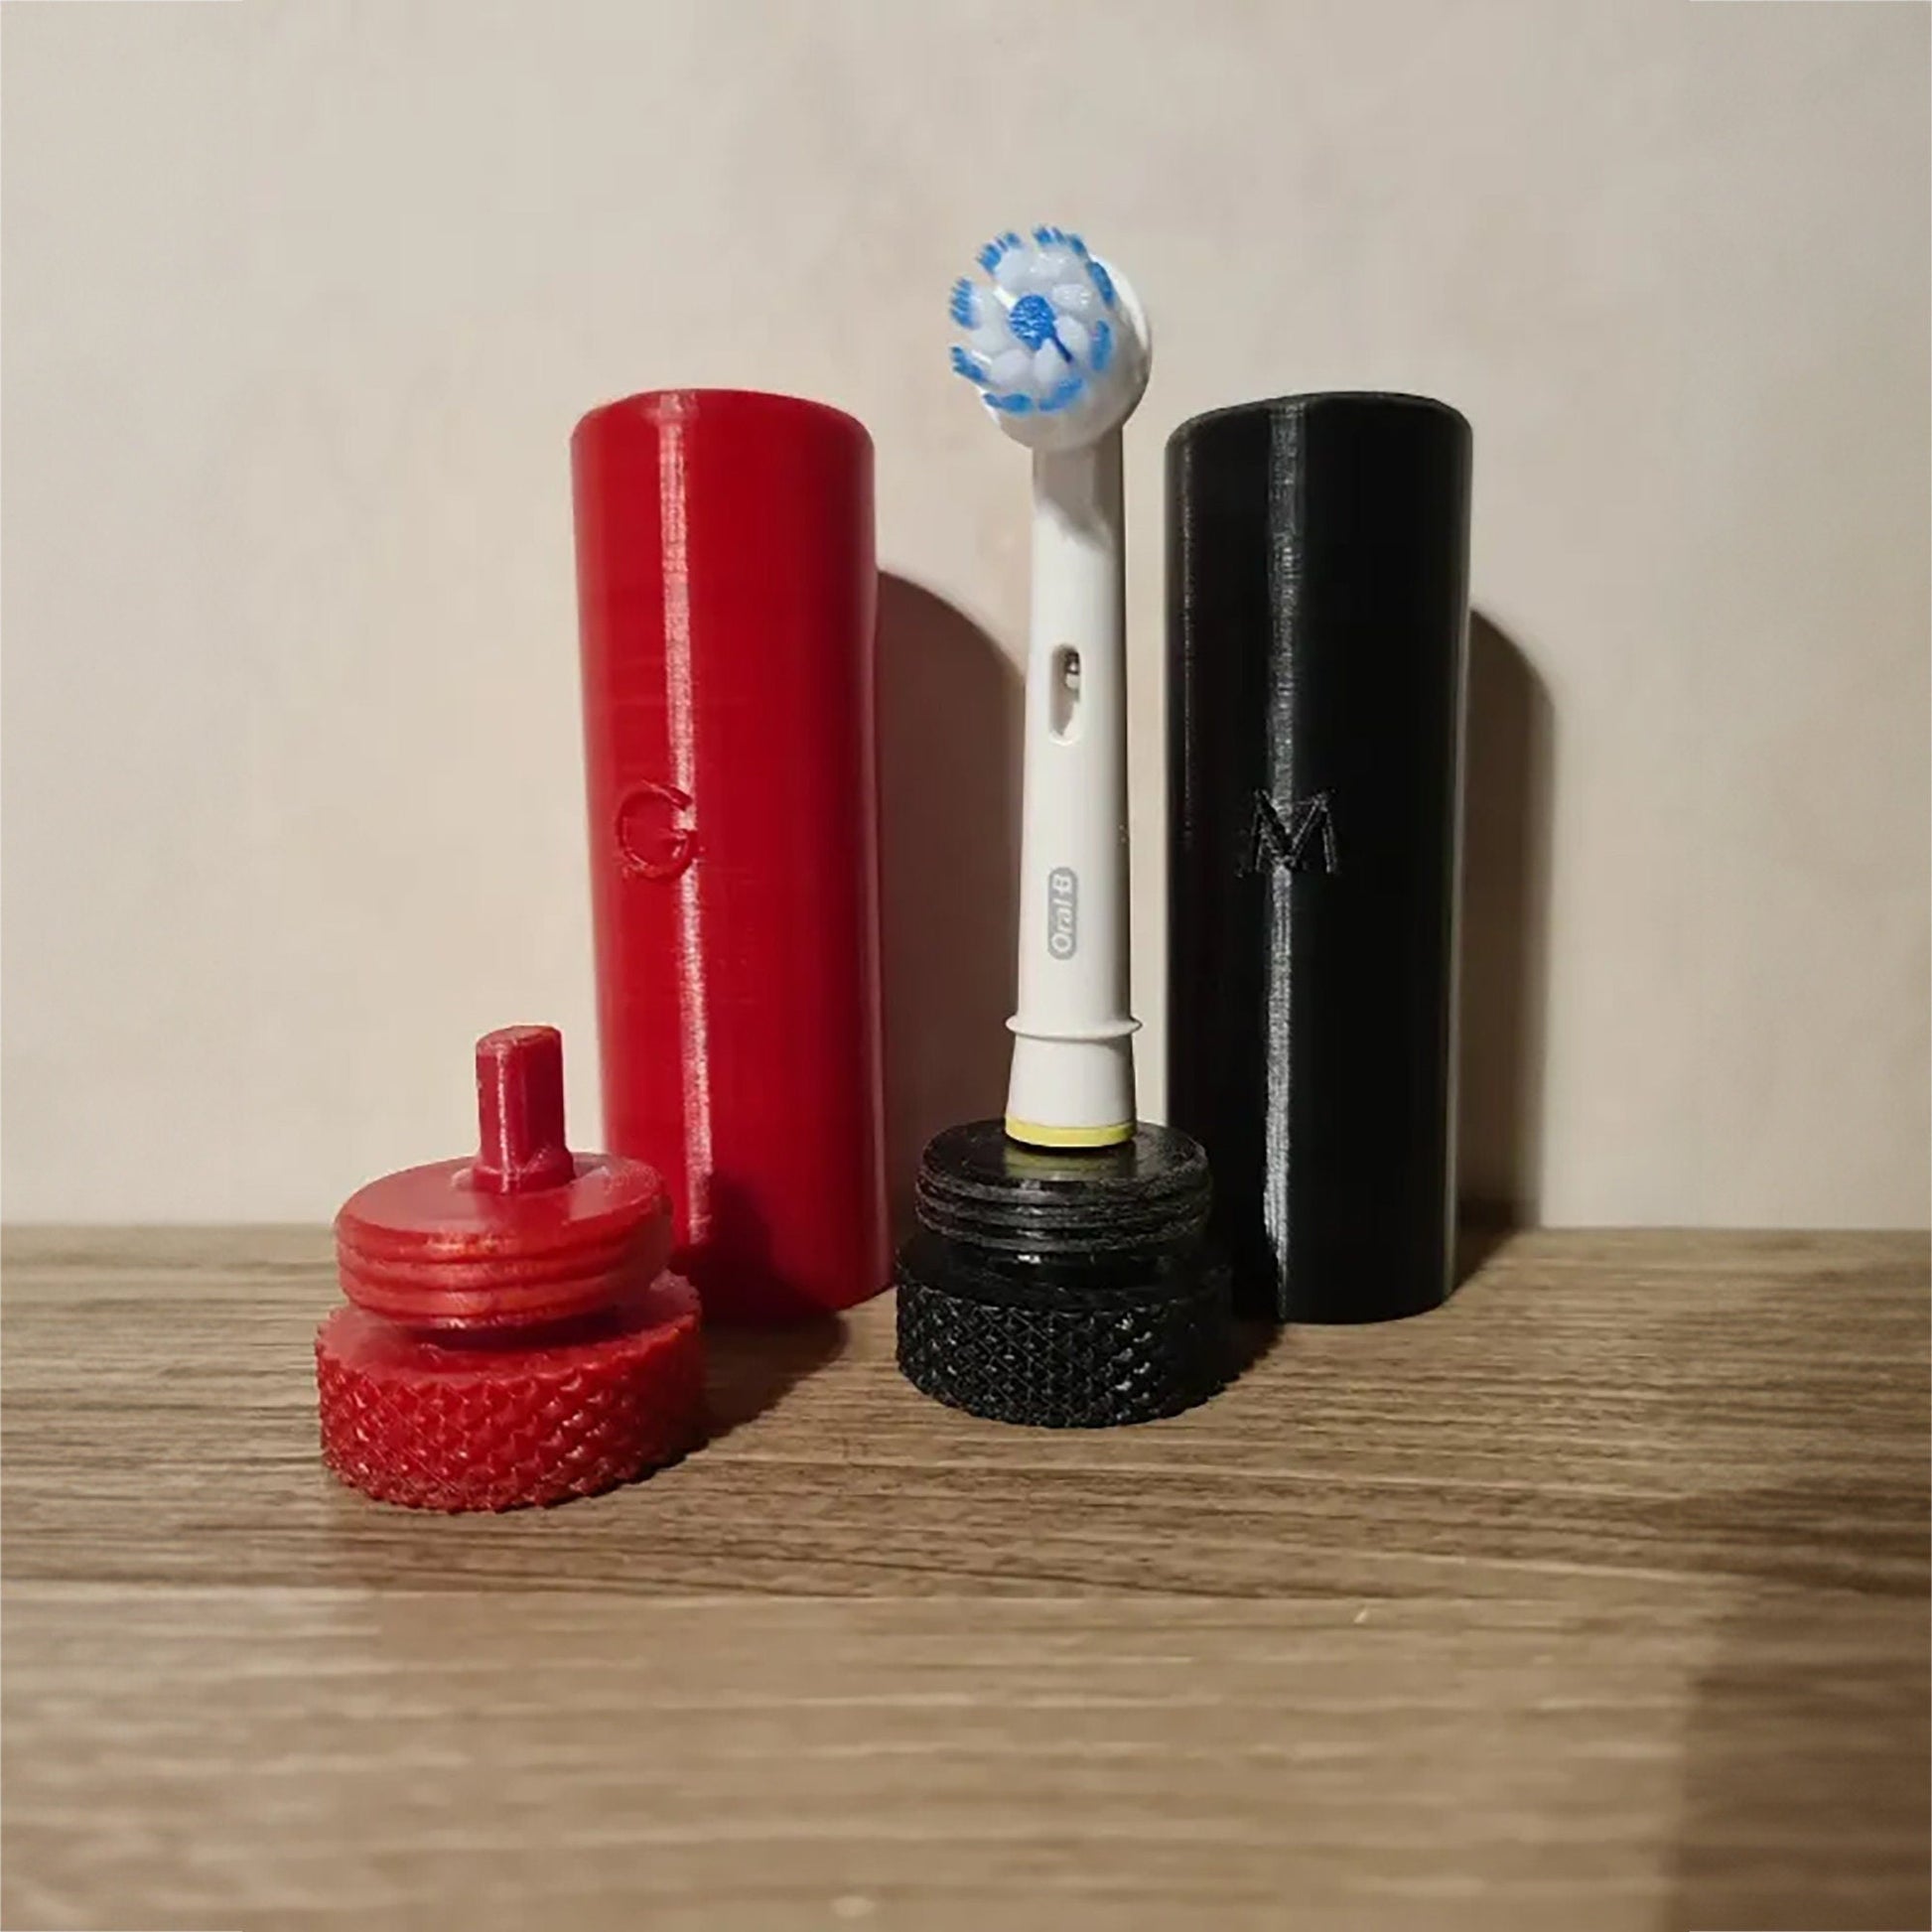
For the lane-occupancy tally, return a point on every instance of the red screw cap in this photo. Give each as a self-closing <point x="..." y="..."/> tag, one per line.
<point x="513" y="1337"/>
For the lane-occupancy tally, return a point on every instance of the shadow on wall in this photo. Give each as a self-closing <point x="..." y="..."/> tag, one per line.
<point x="949" y="721"/>
<point x="1509" y="766"/>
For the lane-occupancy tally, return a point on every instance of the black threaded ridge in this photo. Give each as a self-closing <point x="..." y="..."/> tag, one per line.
<point x="977" y="1187"/>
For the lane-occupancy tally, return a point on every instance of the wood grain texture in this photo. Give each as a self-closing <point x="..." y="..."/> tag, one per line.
<point x="1598" y="1598"/>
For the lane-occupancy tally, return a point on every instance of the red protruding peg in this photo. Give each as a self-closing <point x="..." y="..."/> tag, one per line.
<point x="513" y="1337"/>
<point x="520" y="1111"/>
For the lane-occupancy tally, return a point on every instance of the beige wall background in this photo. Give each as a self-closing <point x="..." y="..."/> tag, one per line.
<point x="302" y="300"/>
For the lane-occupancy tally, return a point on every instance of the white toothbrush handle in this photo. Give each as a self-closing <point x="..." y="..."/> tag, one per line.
<point x="1073" y="1053"/>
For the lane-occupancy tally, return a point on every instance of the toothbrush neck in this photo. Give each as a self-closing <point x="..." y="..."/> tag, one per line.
<point x="1077" y="572"/>
<point x="1079" y="489"/>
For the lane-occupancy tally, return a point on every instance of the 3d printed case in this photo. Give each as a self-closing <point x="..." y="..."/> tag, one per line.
<point x="1318" y="552"/>
<point x="727" y="593"/>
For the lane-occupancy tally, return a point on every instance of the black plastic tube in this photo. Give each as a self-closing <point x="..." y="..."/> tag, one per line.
<point x="1317" y="556"/>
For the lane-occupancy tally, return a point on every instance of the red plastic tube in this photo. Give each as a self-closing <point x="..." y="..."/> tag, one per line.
<point x="727" y="593"/>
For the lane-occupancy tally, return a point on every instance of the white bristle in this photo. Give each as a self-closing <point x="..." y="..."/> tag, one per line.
<point x="1011" y="272"/>
<point x="1011" y="369"/>
<point x="1046" y="268"/>
<point x="1080" y="299"/>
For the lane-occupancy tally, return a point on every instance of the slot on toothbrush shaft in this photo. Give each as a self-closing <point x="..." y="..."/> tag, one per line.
<point x="1065" y="691"/>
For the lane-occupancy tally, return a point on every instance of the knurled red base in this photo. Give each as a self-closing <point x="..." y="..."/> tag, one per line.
<point x="454" y="1424"/>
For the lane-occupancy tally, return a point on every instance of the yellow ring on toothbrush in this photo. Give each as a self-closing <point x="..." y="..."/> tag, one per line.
<point x="1033" y="1135"/>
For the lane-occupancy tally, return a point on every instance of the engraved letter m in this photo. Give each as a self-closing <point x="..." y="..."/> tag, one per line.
<point x="1301" y="841"/>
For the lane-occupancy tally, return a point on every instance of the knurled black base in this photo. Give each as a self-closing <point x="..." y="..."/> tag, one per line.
<point x="1125" y="1316"/>
<point x="1115" y="1358"/>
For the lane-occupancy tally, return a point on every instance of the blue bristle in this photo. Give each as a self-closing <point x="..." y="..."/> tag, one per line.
<point x="962" y="303"/>
<point x="1103" y="347"/>
<point x="1043" y="236"/>
<point x="1012" y="239"/>
<point x="1062" y="396"/>
<point x="1032" y="319"/>
<point x="1014" y="404"/>
<point x="1102" y="281"/>
<point x="989" y="256"/>
<point x="1079" y="246"/>
<point x="966" y="366"/>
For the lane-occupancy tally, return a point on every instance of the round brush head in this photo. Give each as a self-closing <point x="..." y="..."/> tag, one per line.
<point x="1064" y="1290"/>
<point x="1053" y="338"/>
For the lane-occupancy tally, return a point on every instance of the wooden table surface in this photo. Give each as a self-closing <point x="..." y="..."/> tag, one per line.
<point x="1598" y="1598"/>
